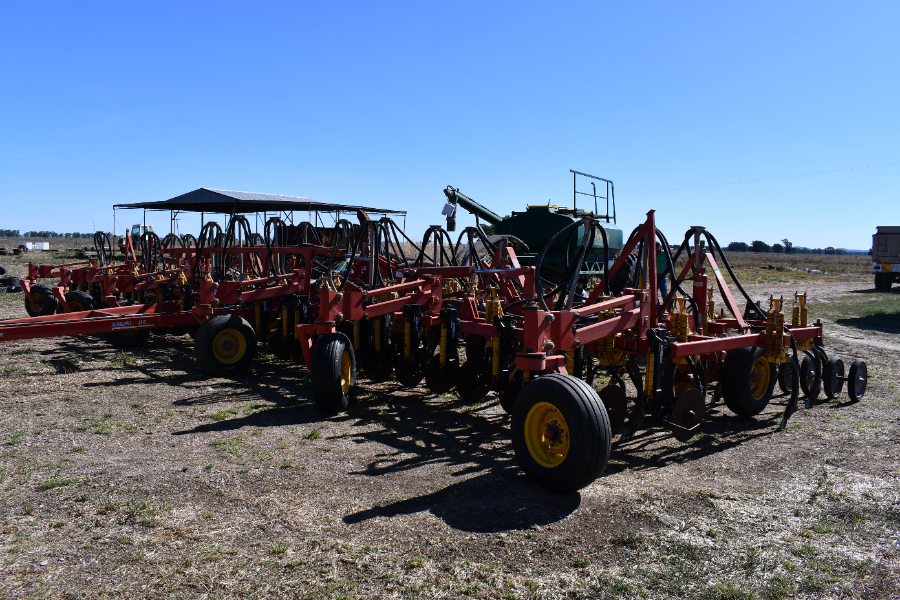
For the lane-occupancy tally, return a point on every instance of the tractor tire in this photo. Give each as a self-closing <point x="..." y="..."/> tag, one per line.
<point x="857" y="380"/>
<point x="832" y="376"/>
<point x="810" y="378"/>
<point x="333" y="372"/>
<point x="560" y="433"/>
<point x="44" y="302"/>
<point x="748" y="381"/>
<point x="80" y="301"/>
<point x="622" y="278"/>
<point x="225" y="345"/>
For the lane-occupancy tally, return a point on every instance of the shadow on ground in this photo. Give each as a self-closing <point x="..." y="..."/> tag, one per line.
<point x="500" y="499"/>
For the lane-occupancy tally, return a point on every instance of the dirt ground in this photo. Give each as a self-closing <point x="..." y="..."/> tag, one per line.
<point x="130" y="474"/>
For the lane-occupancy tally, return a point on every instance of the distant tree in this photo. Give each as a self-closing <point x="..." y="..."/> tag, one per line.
<point x="737" y="247"/>
<point x="759" y="246"/>
<point x="788" y="246"/>
<point x="830" y="250"/>
<point x="777" y="248"/>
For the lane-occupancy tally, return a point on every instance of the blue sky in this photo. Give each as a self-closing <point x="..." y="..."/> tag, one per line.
<point x="385" y="104"/>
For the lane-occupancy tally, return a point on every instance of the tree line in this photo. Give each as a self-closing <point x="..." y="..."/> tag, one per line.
<point x="785" y="247"/>
<point x="7" y="233"/>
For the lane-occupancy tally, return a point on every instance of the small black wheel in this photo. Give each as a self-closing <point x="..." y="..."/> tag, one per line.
<point x="80" y="301"/>
<point x="438" y="379"/>
<point x="810" y="378"/>
<point x="784" y="378"/>
<point x="225" y="345"/>
<point x="857" y="379"/>
<point x="127" y="338"/>
<point x="883" y="282"/>
<point x="333" y="372"/>
<point x="748" y="380"/>
<point x="42" y="303"/>
<point x="832" y="377"/>
<point x="560" y="432"/>
<point x="473" y="381"/>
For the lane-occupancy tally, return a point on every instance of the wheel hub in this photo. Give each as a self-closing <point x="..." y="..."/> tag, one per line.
<point x="546" y="434"/>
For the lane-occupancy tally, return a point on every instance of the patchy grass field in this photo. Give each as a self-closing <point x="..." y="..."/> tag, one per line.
<point x="130" y="474"/>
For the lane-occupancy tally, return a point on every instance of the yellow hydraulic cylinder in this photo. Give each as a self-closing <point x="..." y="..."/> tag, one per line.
<point x="648" y="375"/>
<point x="284" y="322"/>
<point x="443" y="346"/>
<point x="526" y="376"/>
<point x="356" y="334"/>
<point x="570" y="361"/>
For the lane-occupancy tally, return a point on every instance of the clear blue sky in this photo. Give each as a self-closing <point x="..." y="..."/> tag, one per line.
<point x="385" y="104"/>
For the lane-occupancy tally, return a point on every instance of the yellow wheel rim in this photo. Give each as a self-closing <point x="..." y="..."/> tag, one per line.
<point x="345" y="372"/>
<point x="546" y="435"/>
<point x="37" y="304"/>
<point x="759" y="378"/>
<point x="229" y="346"/>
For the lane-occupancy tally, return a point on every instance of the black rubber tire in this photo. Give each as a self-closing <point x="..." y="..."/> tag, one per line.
<point x="45" y="302"/>
<point x="810" y="378"/>
<point x="473" y="381"/>
<point x="2" y="271"/>
<point x="588" y="436"/>
<point x="831" y="374"/>
<point x="857" y="380"/>
<point x="224" y="331"/>
<point x="883" y="282"/>
<point x="80" y="301"/>
<point x="784" y="378"/>
<point x="737" y="373"/>
<point x="329" y="392"/>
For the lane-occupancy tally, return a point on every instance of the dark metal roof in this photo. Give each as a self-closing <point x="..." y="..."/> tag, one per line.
<point x="228" y="202"/>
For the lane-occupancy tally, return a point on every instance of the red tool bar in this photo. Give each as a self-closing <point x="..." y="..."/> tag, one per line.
<point x="607" y="305"/>
<point x="446" y="272"/>
<point x="618" y="324"/>
<point x="274" y="291"/>
<point x="390" y="306"/>
<point x="680" y="349"/>
<point x="270" y="279"/>
<point x="729" y="300"/>
<point x="400" y="287"/>
<point x="481" y="329"/>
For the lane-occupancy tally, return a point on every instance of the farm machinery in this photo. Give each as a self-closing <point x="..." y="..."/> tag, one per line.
<point x="578" y="356"/>
<point x="542" y="346"/>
